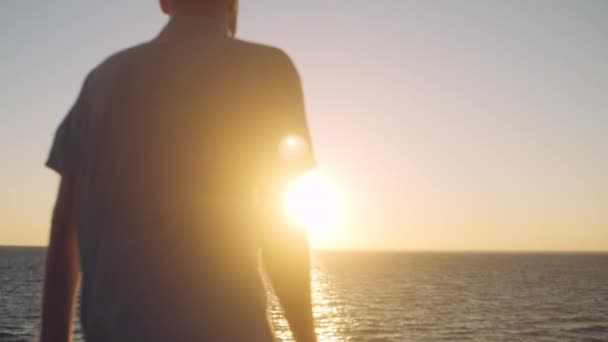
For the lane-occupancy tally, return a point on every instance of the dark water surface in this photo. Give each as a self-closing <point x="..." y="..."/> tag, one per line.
<point x="402" y="296"/>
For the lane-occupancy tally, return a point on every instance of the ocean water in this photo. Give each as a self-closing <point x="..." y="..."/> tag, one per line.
<point x="401" y="296"/>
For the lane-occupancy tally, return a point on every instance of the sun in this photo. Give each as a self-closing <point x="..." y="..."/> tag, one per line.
<point x="311" y="201"/>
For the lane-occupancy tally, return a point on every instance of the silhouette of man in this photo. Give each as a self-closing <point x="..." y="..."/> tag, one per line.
<point x="171" y="161"/>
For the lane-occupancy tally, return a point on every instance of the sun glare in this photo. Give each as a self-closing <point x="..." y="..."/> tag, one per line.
<point x="311" y="202"/>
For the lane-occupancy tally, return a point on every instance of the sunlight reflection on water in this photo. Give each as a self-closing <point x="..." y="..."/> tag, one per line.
<point x="332" y="320"/>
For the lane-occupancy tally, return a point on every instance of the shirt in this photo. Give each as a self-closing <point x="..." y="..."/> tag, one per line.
<point x="166" y="142"/>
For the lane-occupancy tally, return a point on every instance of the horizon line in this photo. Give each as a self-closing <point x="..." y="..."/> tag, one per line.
<point x="419" y="250"/>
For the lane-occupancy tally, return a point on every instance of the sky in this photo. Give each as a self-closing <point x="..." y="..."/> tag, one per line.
<point x="449" y="125"/>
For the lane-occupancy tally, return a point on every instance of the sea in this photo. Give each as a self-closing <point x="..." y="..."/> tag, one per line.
<point x="395" y="296"/>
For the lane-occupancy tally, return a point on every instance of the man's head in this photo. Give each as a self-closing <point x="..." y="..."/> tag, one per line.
<point x="225" y="10"/>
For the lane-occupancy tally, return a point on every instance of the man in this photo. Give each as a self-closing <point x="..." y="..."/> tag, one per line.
<point x="171" y="162"/>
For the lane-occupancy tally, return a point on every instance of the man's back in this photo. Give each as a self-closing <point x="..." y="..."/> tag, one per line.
<point x="168" y="141"/>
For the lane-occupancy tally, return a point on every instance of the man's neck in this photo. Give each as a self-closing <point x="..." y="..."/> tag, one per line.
<point x="193" y="23"/>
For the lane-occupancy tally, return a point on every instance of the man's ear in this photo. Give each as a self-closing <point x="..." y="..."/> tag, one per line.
<point x="164" y="6"/>
<point x="232" y="17"/>
<point x="232" y="24"/>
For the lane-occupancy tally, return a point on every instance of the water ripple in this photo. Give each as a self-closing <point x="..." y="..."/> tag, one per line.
<point x="402" y="297"/>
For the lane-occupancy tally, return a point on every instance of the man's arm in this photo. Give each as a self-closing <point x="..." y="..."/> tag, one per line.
<point x="285" y="249"/>
<point x="62" y="269"/>
<point x="286" y="259"/>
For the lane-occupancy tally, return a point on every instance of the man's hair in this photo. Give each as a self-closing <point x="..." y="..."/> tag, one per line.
<point x="205" y="5"/>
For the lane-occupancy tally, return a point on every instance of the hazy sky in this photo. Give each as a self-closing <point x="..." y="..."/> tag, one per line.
<point x="446" y="124"/>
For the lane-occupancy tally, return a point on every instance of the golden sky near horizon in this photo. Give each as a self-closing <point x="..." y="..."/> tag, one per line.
<point x="480" y="125"/>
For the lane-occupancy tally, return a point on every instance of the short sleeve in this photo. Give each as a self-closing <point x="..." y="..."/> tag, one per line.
<point x="63" y="157"/>
<point x="294" y="130"/>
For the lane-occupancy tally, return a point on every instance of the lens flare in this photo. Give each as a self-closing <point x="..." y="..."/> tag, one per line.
<point x="293" y="147"/>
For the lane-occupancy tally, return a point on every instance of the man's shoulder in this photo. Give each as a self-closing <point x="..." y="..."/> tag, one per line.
<point x="112" y="64"/>
<point x="121" y="56"/>
<point x="270" y="57"/>
<point x="258" y="48"/>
